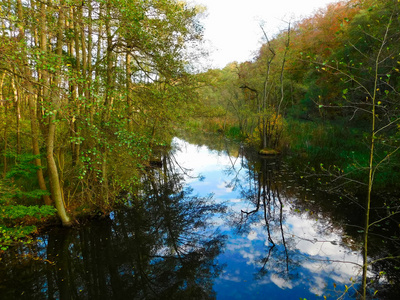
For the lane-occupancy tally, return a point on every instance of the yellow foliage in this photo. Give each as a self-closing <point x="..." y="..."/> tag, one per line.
<point x="273" y="128"/>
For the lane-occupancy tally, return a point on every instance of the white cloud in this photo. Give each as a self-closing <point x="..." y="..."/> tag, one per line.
<point x="237" y="200"/>
<point x="224" y="187"/>
<point x="252" y="235"/>
<point x="197" y="158"/>
<point x="233" y="27"/>
<point x="280" y="282"/>
<point x="250" y="257"/>
<point x="230" y="277"/>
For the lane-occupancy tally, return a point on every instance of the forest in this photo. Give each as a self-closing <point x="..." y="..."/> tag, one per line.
<point x="326" y="90"/>
<point x="92" y="93"/>
<point x="323" y="89"/>
<point x="89" y="94"/>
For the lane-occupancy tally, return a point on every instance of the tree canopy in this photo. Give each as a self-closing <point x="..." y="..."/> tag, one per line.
<point x="89" y="91"/>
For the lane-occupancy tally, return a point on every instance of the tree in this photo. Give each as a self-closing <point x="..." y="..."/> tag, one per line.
<point x="99" y="82"/>
<point x="370" y="72"/>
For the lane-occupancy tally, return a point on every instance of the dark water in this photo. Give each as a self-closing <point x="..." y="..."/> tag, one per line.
<point x="208" y="224"/>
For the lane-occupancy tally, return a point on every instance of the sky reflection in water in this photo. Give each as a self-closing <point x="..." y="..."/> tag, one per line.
<point x="177" y="241"/>
<point x="312" y="263"/>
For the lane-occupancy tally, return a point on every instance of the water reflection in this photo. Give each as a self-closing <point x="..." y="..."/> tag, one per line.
<point x="207" y="224"/>
<point x="159" y="248"/>
<point x="275" y="247"/>
<point x="264" y="196"/>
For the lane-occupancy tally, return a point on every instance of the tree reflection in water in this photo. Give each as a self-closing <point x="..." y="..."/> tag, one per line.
<point x="282" y="257"/>
<point x="291" y="247"/>
<point x="298" y="242"/>
<point x="158" y="248"/>
<point x="263" y="193"/>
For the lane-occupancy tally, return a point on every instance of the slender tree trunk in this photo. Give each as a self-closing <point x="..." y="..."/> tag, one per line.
<point x="282" y="71"/>
<point x="85" y="87"/>
<point x="105" y="187"/>
<point x="108" y="99"/>
<point x="17" y="114"/>
<point x="5" y="136"/>
<point x="109" y="83"/>
<point x="72" y="81"/>
<point x="89" y="53"/>
<point x="128" y="91"/>
<point x="99" y="40"/>
<point x="33" y="120"/>
<point x="75" y="88"/>
<point x="36" y="149"/>
<point x="43" y="92"/>
<point x="266" y="92"/>
<point x="97" y="64"/>
<point x="84" y="53"/>
<point x="56" y="190"/>
<point x="2" y="100"/>
<point x="370" y="184"/>
<point x="77" y="50"/>
<point x="371" y="168"/>
<point x="367" y="215"/>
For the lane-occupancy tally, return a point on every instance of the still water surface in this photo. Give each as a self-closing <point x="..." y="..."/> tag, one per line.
<point x="208" y="224"/>
<point x="275" y="249"/>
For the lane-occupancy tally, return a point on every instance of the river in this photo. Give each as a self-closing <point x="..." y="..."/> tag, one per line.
<point x="208" y="224"/>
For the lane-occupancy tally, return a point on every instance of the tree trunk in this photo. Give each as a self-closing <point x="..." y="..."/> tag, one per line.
<point x="109" y="83"/>
<point x="5" y="136"/>
<point x="33" y="119"/>
<point x="35" y="146"/>
<point x="56" y="190"/>
<point x="266" y="91"/>
<point x="104" y="170"/>
<point x="76" y="89"/>
<point x="371" y="167"/>
<point x="89" y="55"/>
<point x="128" y="91"/>
<point x="17" y="114"/>
<point x="43" y="92"/>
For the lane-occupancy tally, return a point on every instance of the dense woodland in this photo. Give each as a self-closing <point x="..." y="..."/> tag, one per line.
<point x="92" y="91"/>
<point x="325" y="88"/>
<point x="89" y="93"/>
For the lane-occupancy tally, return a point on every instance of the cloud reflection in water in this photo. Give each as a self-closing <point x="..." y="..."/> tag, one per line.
<point x="308" y="255"/>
